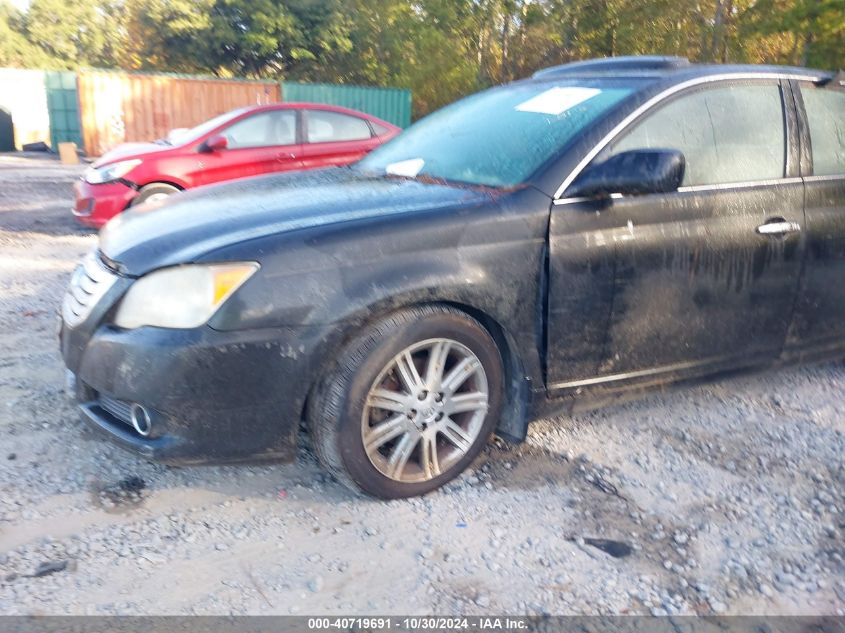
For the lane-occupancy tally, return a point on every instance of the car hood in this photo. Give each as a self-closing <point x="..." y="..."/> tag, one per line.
<point x="191" y="224"/>
<point x="130" y="150"/>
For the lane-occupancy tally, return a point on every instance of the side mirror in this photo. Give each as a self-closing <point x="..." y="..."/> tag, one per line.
<point x="636" y="172"/>
<point x="216" y="143"/>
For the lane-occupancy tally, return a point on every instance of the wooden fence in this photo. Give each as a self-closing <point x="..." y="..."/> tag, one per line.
<point x="118" y="107"/>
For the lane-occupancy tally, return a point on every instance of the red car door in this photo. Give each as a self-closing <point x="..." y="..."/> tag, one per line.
<point x="333" y="138"/>
<point x="260" y="143"/>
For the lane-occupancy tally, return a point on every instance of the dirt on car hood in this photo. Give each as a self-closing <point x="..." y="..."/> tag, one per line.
<point x="191" y="224"/>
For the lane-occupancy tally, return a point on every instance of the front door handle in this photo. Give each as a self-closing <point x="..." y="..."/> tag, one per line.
<point x="283" y="156"/>
<point x="778" y="226"/>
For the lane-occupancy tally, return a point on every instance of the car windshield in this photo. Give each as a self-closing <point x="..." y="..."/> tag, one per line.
<point x="192" y="135"/>
<point x="497" y="138"/>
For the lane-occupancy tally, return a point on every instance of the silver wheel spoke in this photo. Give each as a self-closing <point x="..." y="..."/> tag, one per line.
<point x="385" y="431"/>
<point x="408" y="373"/>
<point x="429" y="457"/>
<point x="401" y="453"/>
<point x="457" y="436"/>
<point x="462" y="402"/>
<point x="388" y="400"/>
<point x="436" y="364"/>
<point x="407" y="429"/>
<point x="459" y="374"/>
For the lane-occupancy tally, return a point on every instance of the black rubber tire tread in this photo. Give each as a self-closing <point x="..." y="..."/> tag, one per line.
<point x="153" y="188"/>
<point x="331" y="398"/>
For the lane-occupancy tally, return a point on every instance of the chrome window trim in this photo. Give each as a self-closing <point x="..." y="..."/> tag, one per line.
<point x="792" y="180"/>
<point x="656" y="100"/>
<point x="824" y="177"/>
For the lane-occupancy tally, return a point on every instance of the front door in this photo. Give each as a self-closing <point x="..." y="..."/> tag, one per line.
<point x="260" y="143"/>
<point x="645" y="289"/>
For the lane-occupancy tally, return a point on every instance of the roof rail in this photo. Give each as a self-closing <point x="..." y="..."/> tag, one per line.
<point x="610" y="64"/>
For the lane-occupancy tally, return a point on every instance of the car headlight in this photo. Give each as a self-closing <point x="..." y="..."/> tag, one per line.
<point x="181" y="297"/>
<point x="109" y="173"/>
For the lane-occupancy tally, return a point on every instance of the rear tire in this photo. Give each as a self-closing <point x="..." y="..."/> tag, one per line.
<point x="409" y="403"/>
<point x="153" y="192"/>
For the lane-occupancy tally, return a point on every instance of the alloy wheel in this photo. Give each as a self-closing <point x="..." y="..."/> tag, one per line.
<point x="425" y="410"/>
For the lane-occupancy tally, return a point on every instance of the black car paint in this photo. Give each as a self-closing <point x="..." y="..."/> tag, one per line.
<point x="818" y="326"/>
<point x="567" y="289"/>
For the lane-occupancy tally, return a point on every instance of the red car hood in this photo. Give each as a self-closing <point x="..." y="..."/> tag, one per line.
<point x="130" y="150"/>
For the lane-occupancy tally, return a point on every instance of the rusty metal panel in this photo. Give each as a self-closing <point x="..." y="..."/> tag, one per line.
<point x="117" y="107"/>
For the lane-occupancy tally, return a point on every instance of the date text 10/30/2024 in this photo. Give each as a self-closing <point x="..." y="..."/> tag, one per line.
<point x="420" y="623"/>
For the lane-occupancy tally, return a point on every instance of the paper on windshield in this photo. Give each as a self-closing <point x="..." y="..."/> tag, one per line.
<point x="556" y="101"/>
<point x="408" y="168"/>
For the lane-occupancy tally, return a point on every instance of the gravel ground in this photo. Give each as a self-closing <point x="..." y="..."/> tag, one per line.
<point x="726" y="498"/>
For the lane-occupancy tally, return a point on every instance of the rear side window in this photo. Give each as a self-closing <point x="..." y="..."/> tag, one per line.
<point x="379" y="129"/>
<point x="263" y="130"/>
<point x="728" y="134"/>
<point x="329" y="127"/>
<point x="826" y="116"/>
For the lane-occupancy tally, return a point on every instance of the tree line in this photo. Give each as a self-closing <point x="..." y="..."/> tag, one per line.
<point x="441" y="49"/>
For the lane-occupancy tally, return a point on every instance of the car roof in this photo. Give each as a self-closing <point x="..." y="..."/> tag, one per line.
<point x="303" y="105"/>
<point x="670" y="69"/>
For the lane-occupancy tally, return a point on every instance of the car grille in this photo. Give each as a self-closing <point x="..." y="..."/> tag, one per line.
<point x="118" y="409"/>
<point x="89" y="282"/>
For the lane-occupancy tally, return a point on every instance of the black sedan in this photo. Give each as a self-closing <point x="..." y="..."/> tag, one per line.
<point x="600" y="229"/>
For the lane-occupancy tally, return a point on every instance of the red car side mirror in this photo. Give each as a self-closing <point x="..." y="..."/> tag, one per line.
<point x="217" y="143"/>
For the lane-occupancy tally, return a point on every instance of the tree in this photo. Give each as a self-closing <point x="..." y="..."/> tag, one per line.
<point x="16" y="50"/>
<point x="441" y="49"/>
<point x="78" y="33"/>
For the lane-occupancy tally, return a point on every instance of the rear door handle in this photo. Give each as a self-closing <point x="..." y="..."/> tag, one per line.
<point x="778" y="227"/>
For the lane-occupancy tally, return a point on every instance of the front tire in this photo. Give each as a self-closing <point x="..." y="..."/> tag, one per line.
<point x="154" y="192"/>
<point x="409" y="403"/>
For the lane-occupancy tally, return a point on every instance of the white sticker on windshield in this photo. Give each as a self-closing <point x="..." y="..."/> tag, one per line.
<point x="408" y="168"/>
<point x="557" y="100"/>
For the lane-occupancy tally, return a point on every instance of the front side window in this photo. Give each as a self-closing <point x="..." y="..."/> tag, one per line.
<point x="263" y="130"/>
<point x="728" y="134"/>
<point x="826" y="116"/>
<point x="332" y="127"/>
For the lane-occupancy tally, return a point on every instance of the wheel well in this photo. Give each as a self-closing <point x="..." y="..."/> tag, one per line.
<point x="513" y="422"/>
<point x="162" y="182"/>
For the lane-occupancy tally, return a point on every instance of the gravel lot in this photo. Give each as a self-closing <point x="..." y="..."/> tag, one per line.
<point x="731" y="496"/>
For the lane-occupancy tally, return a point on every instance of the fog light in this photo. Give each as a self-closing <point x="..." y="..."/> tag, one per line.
<point x="140" y="419"/>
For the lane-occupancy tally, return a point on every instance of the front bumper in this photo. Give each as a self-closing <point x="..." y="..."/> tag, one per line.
<point x="97" y="204"/>
<point x="212" y="396"/>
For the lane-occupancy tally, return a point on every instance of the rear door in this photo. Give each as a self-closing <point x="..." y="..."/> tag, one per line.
<point x="334" y="138"/>
<point x="820" y="311"/>
<point x="261" y="143"/>
<point x="651" y="288"/>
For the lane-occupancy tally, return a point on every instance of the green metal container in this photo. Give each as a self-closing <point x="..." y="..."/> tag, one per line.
<point x="391" y="104"/>
<point x="63" y="105"/>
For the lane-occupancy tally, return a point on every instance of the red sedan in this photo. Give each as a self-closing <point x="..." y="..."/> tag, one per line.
<point x="246" y="142"/>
